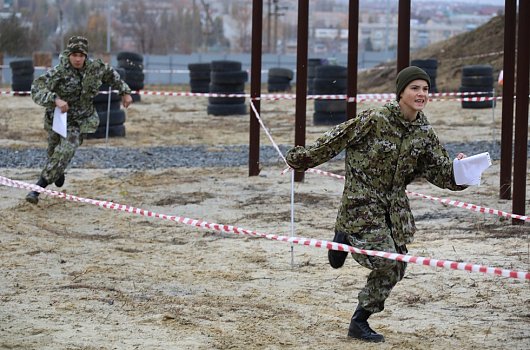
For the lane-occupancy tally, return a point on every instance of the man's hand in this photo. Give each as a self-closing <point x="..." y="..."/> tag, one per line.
<point x="63" y="105"/>
<point x="126" y="100"/>
<point x="461" y="156"/>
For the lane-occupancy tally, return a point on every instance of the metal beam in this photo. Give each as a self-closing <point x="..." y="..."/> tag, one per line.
<point x="301" y="77"/>
<point x="510" y="27"/>
<point x="255" y="87"/>
<point x="521" y="111"/>
<point x="353" y="44"/>
<point x="403" y="55"/>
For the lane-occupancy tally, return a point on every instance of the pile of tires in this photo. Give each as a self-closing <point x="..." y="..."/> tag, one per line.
<point x="478" y="81"/>
<point x="279" y="79"/>
<point x="312" y="65"/>
<point x="430" y="67"/>
<point x="199" y="77"/>
<point x="22" y="75"/>
<point x="133" y="64"/>
<point x="116" y="116"/>
<point x="226" y="77"/>
<point x="330" y="80"/>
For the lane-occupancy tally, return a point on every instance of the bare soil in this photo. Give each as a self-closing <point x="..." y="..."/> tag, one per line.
<point x="76" y="276"/>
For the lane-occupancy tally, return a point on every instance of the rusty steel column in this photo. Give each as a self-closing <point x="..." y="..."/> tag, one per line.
<point x="403" y="46"/>
<point x="510" y="27"/>
<point x="521" y="112"/>
<point x="301" y="78"/>
<point x="255" y="87"/>
<point x="353" y="44"/>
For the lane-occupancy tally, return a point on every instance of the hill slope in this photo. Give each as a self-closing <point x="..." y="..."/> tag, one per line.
<point x="483" y="45"/>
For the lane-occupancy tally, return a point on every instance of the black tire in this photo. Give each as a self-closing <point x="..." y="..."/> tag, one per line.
<point x="131" y="65"/>
<point x="198" y="67"/>
<point x="429" y="63"/>
<point x="24" y="80"/>
<point x="102" y="106"/>
<point x="134" y="75"/>
<point x="278" y="87"/>
<point x="224" y="110"/>
<point x="131" y="56"/>
<point x="135" y="85"/>
<point x="23" y="71"/>
<point x="326" y="118"/>
<point x="330" y="106"/>
<point x="477" y="70"/>
<point x="21" y="87"/>
<point x="278" y="80"/>
<point x="21" y="64"/>
<point x="331" y="72"/>
<point x="227" y="88"/>
<point x="200" y="86"/>
<point x="116" y="117"/>
<point x="225" y="66"/>
<point x="104" y="97"/>
<point x="200" y="75"/>
<point x="281" y="72"/>
<point x="478" y="105"/>
<point x="229" y="77"/>
<point x="226" y="100"/>
<point x="329" y="87"/>
<point x="114" y="131"/>
<point x="478" y="80"/>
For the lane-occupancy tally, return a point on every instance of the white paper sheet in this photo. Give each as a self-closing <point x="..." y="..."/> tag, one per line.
<point x="59" y="122"/>
<point x="468" y="171"/>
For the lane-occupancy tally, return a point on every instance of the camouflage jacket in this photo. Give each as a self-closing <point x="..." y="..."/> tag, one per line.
<point x="384" y="153"/>
<point x="78" y="88"/>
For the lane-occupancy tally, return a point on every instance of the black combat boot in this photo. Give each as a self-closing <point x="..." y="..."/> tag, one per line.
<point x="60" y="181"/>
<point x="337" y="258"/>
<point x="360" y="329"/>
<point x="33" y="196"/>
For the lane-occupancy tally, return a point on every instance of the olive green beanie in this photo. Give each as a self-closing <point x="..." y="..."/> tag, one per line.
<point x="410" y="74"/>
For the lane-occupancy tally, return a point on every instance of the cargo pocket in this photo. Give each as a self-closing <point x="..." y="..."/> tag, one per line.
<point x="380" y="240"/>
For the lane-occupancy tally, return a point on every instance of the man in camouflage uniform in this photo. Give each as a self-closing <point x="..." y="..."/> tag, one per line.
<point x="386" y="149"/>
<point x="71" y="86"/>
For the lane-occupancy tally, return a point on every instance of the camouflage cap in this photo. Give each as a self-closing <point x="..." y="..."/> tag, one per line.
<point x="78" y="44"/>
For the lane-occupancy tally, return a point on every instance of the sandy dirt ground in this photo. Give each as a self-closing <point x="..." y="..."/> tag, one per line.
<point x="76" y="276"/>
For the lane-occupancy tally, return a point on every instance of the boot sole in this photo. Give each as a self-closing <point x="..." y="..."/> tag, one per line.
<point x="336" y="259"/>
<point x="382" y="340"/>
<point x="32" y="200"/>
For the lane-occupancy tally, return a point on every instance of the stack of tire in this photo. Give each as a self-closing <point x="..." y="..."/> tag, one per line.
<point x="22" y="75"/>
<point x="312" y="65"/>
<point x="199" y="77"/>
<point x="478" y="81"/>
<point x="430" y="67"/>
<point x="133" y="64"/>
<point x="226" y="77"/>
<point x="279" y="79"/>
<point x="116" y="116"/>
<point x="330" y="80"/>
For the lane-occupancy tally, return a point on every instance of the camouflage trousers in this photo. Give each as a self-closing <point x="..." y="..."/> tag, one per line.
<point x="60" y="152"/>
<point x="385" y="273"/>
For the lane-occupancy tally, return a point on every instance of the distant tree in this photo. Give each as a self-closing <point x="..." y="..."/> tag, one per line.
<point x="14" y="38"/>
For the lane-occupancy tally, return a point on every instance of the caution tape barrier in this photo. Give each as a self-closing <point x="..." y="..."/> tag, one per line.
<point x="446" y="264"/>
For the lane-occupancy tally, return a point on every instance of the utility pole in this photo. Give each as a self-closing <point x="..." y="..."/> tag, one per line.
<point x="108" y="27"/>
<point x="276" y="14"/>
<point x="269" y="14"/>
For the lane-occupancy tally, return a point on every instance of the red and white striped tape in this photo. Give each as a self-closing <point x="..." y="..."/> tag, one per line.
<point x="360" y="97"/>
<point x="455" y="203"/>
<point x="447" y="264"/>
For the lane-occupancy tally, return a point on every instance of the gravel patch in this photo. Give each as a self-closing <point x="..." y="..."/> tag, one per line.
<point x="183" y="156"/>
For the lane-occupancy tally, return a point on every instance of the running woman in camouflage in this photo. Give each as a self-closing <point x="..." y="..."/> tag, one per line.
<point x="71" y="86"/>
<point x="386" y="149"/>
